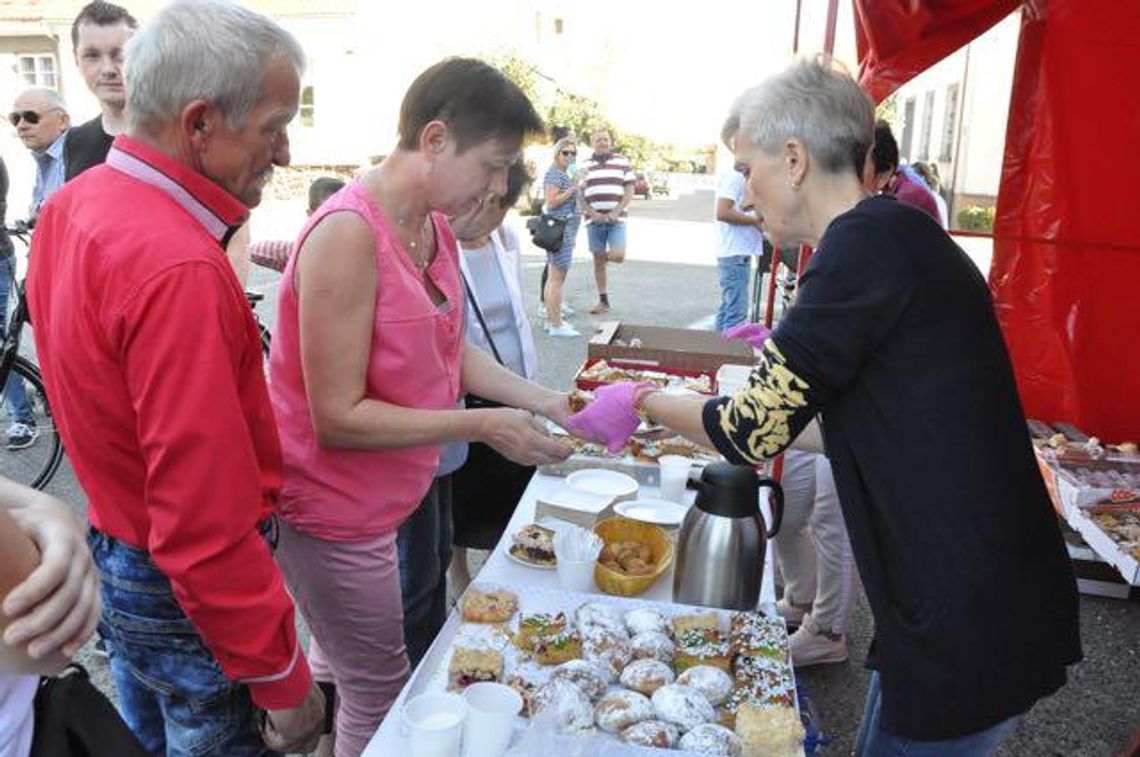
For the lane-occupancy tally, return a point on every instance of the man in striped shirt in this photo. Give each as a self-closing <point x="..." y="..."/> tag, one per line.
<point x="606" y="193"/>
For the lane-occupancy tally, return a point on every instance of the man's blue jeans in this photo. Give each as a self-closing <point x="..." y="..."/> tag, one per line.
<point x="15" y="395"/>
<point x="171" y="691"/>
<point x="873" y="741"/>
<point x="734" y="270"/>
<point x="424" y="546"/>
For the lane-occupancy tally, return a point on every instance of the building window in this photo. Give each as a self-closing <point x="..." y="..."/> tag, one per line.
<point x="38" y="71"/>
<point x="907" y="128"/>
<point x="557" y="26"/>
<point x="927" y="125"/>
<point x="308" y="110"/>
<point x="949" y="123"/>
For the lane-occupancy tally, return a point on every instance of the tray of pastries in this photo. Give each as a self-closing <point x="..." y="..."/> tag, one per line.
<point x="646" y="677"/>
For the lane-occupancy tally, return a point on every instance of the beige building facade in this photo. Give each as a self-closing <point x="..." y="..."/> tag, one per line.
<point x="955" y="113"/>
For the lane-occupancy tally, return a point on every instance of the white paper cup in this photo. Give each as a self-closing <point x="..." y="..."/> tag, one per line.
<point x="575" y="575"/>
<point x="491" y="712"/>
<point x="674" y="475"/>
<point x="435" y="724"/>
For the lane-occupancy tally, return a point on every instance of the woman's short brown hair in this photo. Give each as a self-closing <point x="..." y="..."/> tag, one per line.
<point x="474" y="99"/>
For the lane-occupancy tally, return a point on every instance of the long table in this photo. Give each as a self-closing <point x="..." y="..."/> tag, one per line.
<point x="500" y="569"/>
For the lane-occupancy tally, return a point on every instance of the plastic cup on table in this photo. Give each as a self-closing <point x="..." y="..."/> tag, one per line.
<point x="577" y="575"/>
<point x="576" y="551"/>
<point x="435" y="724"/>
<point x="674" y="475"/>
<point x="491" y="712"/>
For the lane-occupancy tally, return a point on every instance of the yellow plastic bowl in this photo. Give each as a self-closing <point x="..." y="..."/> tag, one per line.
<point x="622" y="529"/>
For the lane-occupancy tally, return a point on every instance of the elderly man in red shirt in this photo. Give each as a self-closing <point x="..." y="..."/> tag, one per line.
<point x="152" y="360"/>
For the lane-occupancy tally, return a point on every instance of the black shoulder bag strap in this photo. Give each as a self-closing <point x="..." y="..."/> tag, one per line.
<point x="482" y="322"/>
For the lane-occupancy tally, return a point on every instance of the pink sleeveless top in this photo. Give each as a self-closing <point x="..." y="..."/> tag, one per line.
<point x="414" y="361"/>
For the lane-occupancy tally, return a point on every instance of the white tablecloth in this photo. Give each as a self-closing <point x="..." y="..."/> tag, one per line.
<point x="500" y="569"/>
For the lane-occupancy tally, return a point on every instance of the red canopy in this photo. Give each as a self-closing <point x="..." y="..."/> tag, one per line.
<point x="1066" y="267"/>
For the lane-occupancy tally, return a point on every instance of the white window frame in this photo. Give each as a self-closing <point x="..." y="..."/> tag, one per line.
<point x="927" y="125"/>
<point x="307" y="112"/>
<point x="43" y="72"/>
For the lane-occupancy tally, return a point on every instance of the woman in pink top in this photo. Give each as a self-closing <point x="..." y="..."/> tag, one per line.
<point x="368" y="362"/>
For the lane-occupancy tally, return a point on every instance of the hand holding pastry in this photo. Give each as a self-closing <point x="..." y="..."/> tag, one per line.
<point x="612" y="417"/>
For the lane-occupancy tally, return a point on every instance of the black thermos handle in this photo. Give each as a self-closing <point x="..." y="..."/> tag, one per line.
<point x="777" y="501"/>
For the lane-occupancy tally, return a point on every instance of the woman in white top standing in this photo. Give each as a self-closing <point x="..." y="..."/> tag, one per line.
<point x="487" y="488"/>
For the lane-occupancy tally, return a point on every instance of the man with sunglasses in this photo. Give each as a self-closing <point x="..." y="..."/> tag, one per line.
<point x="99" y="36"/>
<point x="41" y="122"/>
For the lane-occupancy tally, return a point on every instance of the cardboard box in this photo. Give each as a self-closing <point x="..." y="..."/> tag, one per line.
<point x="663" y="348"/>
<point x="1107" y="547"/>
<point x="573" y="506"/>
<point x="1067" y="480"/>
<point x="650" y="373"/>
<point x="1094" y="575"/>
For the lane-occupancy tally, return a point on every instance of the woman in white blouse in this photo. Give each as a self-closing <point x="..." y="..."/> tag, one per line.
<point x="487" y="488"/>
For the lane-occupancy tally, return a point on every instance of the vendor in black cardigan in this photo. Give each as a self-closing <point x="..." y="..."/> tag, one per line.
<point x="893" y="342"/>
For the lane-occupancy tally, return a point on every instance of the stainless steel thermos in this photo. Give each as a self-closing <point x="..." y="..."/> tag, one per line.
<point x="721" y="545"/>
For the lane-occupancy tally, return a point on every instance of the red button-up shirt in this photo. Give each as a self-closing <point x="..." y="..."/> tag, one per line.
<point x="152" y="362"/>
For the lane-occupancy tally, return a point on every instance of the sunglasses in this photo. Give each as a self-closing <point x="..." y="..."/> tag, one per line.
<point x="569" y="153"/>
<point x="27" y="115"/>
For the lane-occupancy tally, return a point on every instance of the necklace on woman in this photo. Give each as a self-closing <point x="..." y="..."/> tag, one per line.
<point x="416" y="243"/>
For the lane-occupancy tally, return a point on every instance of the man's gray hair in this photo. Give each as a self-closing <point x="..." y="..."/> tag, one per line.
<point x="50" y="96"/>
<point x="811" y="100"/>
<point x="212" y="50"/>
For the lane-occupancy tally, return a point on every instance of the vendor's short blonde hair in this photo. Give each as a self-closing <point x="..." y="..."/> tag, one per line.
<point x="815" y="101"/>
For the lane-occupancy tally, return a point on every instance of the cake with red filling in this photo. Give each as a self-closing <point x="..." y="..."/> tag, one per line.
<point x="470" y="666"/>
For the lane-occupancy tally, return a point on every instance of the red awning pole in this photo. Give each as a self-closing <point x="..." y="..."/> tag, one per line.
<point x="796" y="33"/>
<point x="829" y="31"/>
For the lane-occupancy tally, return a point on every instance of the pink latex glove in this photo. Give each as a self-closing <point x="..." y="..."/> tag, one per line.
<point x="611" y="418"/>
<point x="752" y="333"/>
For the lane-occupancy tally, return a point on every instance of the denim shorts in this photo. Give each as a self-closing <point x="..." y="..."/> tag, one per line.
<point x="172" y="692"/>
<point x="606" y="236"/>
<point x="565" y="254"/>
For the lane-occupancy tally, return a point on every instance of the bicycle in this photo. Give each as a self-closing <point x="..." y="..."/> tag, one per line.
<point x="253" y="298"/>
<point x="24" y="396"/>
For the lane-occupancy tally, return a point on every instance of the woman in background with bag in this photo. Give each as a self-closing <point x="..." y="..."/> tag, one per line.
<point x="486" y="489"/>
<point x="561" y="192"/>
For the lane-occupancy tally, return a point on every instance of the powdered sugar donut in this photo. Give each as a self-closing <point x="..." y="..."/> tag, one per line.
<point x="608" y="651"/>
<point x="710" y="738"/>
<point x="594" y="615"/>
<point x="655" y="733"/>
<point x="646" y="676"/>
<point x="684" y="707"/>
<point x="653" y="645"/>
<point x="714" y="683"/>
<point x="587" y="676"/>
<point x="621" y="709"/>
<point x="644" y="619"/>
<point x="571" y="707"/>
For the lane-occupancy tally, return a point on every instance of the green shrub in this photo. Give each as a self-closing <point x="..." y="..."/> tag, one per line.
<point x="976" y="218"/>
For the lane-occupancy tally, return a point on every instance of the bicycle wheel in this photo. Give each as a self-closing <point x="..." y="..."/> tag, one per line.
<point x="34" y="464"/>
<point x="264" y="348"/>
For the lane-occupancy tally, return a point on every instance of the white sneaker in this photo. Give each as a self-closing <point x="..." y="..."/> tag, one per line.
<point x="810" y="647"/>
<point x="567" y="311"/>
<point x="564" y="330"/>
<point x="793" y="614"/>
